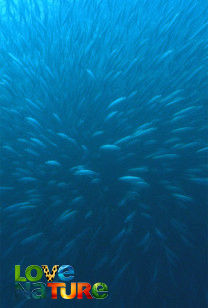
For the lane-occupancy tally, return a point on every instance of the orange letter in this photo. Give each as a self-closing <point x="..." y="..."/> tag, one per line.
<point x="54" y="286"/>
<point x="86" y="291"/>
<point x="73" y="292"/>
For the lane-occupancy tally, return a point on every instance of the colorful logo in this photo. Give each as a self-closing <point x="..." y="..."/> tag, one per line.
<point x="31" y="286"/>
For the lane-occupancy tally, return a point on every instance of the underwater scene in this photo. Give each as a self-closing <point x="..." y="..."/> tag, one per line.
<point x="104" y="143"/>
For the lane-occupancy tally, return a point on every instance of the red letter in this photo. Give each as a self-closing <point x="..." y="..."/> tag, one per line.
<point x="54" y="286"/>
<point x="86" y="291"/>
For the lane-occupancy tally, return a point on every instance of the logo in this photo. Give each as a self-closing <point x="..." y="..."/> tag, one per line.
<point x="31" y="286"/>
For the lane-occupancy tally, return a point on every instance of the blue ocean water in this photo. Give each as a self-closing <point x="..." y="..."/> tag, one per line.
<point x="104" y="147"/>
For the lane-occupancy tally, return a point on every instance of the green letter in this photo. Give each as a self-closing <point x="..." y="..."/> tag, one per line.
<point x="38" y="275"/>
<point x="17" y="274"/>
<point x="103" y="289"/>
<point x="42" y="288"/>
<point x="19" y="289"/>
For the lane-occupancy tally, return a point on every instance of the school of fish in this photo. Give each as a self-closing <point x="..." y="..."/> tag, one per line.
<point x="103" y="117"/>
